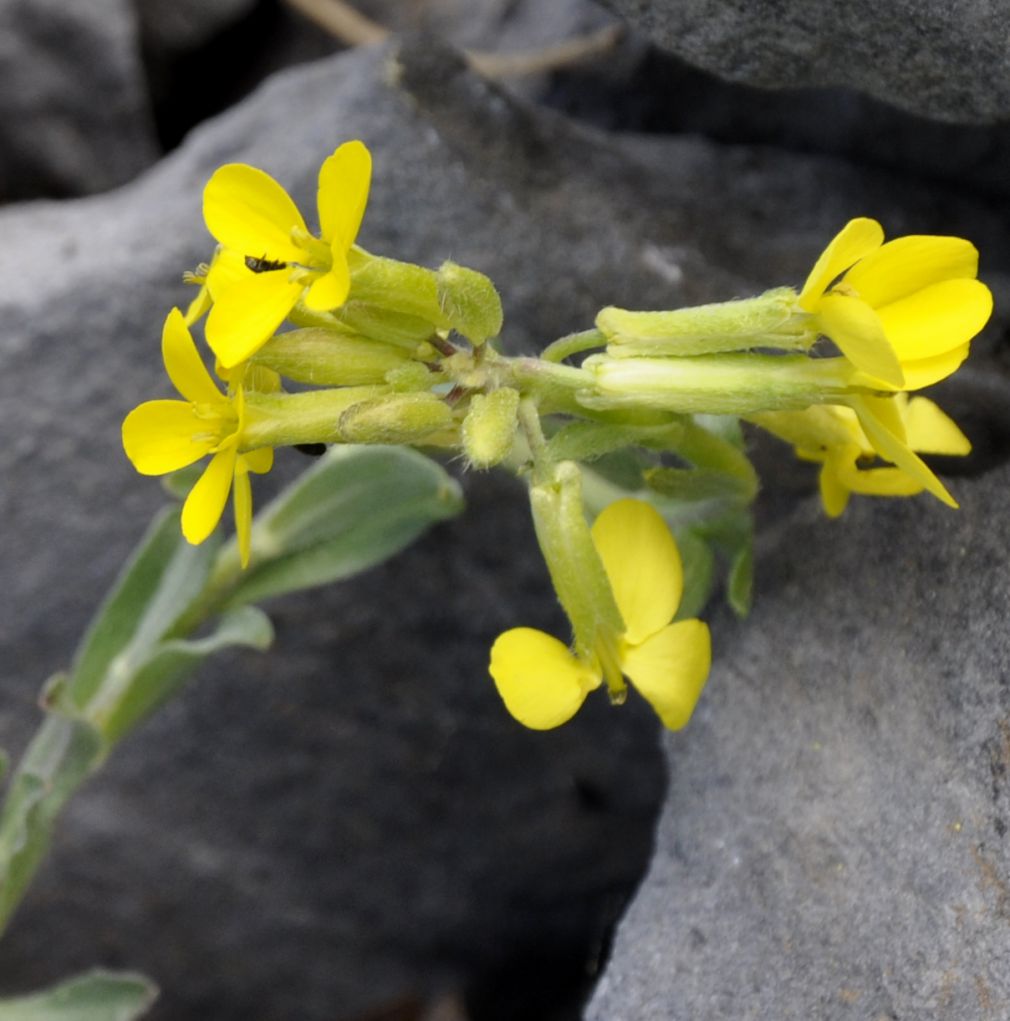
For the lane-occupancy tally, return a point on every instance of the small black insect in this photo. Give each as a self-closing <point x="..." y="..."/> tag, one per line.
<point x="263" y="264"/>
<point x="311" y="449"/>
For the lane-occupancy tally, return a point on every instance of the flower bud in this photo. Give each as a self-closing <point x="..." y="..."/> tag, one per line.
<point x="489" y="428"/>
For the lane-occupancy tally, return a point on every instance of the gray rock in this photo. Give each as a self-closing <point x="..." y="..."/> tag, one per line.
<point x="354" y="818"/>
<point x="74" y="112"/>
<point x="833" y="843"/>
<point x="943" y="60"/>
<point x="181" y="25"/>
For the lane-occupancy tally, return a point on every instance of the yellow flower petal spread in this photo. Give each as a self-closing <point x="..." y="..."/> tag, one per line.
<point x="254" y="218"/>
<point x="543" y="684"/>
<point x="163" y="436"/>
<point x="902" y="312"/>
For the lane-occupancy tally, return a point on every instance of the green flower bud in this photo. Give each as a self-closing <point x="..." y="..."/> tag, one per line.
<point x="489" y="428"/>
<point x="329" y="358"/>
<point x="396" y="418"/>
<point x="773" y="320"/>
<point x="470" y="302"/>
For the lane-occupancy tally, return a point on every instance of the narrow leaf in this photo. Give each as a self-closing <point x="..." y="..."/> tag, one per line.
<point x="61" y="756"/>
<point x="357" y="507"/>
<point x="161" y="580"/>
<point x="94" y="996"/>
<point x="171" y="663"/>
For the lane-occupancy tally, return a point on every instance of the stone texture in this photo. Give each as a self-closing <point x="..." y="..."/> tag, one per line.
<point x="354" y="818"/>
<point x="946" y="60"/>
<point x="833" y="843"/>
<point x="181" y="25"/>
<point x="74" y="113"/>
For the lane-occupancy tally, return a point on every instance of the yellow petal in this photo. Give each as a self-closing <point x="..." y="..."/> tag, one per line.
<point x="159" y="437"/>
<point x="855" y="241"/>
<point x="183" y="364"/>
<point x="920" y="372"/>
<point x="860" y="336"/>
<point x="642" y="564"/>
<point x="882" y="482"/>
<point x="891" y="448"/>
<point x="541" y="683"/>
<point x="344" y="180"/>
<point x="834" y="494"/>
<point x="330" y="290"/>
<point x="259" y="461"/>
<point x="247" y="210"/>
<point x="205" y="504"/>
<point x="198" y="307"/>
<point x="226" y="269"/>
<point x="906" y="265"/>
<point x="669" y="669"/>
<point x="242" y="502"/>
<point x="247" y="315"/>
<point x="936" y="320"/>
<point x="930" y="431"/>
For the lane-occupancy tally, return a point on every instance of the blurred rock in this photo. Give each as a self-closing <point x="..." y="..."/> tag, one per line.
<point x="353" y="819"/>
<point x="74" y="111"/>
<point x="833" y="843"/>
<point x="943" y="60"/>
<point x="179" y="25"/>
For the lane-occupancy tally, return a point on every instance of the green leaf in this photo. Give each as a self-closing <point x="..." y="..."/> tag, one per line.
<point x="355" y="508"/>
<point x="163" y="578"/>
<point x="94" y="996"/>
<point x="739" y="588"/>
<point x="694" y="484"/>
<point x="61" y="756"/>
<point x="170" y="663"/>
<point x="178" y="483"/>
<point x="699" y="573"/>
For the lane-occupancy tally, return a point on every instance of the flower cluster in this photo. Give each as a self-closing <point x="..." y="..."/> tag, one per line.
<point x="383" y="351"/>
<point x="368" y="332"/>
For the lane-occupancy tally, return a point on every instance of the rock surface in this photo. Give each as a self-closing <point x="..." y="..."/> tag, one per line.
<point x="939" y="59"/>
<point x="833" y="843"/>
<point x="74" y="114"/>
<point x="354" y="818"/>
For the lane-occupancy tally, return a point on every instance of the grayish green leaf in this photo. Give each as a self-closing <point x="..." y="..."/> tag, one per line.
<point x="357" y="507"/>
<point x="167" y="668"/>
<point x="156" y="586"/>
<point x="94" y="996"/>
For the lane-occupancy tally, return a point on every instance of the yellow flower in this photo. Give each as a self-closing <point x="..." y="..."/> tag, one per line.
<point x="226" y="268"/>
<point x="248" y="212"/>
<point x="902" y="312"/>
<point x="543" y="683"/>
<point x="837" y="438"/>
<point x="164" y="436"/>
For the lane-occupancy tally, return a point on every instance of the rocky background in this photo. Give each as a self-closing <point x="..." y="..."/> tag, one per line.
<point x="351" y="827"/>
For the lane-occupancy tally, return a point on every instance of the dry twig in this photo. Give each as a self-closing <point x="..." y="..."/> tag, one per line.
<point x="350" y="26"/>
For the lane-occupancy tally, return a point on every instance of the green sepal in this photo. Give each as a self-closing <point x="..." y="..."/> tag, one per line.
<point x="384" y="324"/>
<point x="94" y="996"/>
<point x="470" y="302"/>
<point x="577" y="573"/>
<point x="395" y="418"/>
<point x="398" y="286"/>
<point x="772" y="320"/>
<point x="325" y="357"/>
<point x="355" y="508"/>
